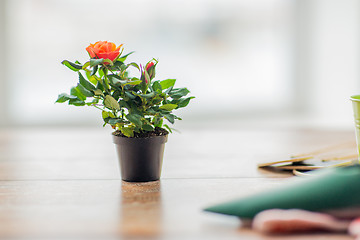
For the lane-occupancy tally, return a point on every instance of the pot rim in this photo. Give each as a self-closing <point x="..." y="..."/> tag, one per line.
<point x="355" y="98"/>
<point x="121" y="139"/>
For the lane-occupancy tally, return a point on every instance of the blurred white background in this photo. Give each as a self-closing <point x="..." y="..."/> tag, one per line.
<point x="290" y="62"/>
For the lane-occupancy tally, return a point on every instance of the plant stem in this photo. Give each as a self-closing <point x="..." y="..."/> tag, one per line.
<point x="97" y="107"/>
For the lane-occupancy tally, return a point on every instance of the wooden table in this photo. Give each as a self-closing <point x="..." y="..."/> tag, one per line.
<point x="64" y="183"/>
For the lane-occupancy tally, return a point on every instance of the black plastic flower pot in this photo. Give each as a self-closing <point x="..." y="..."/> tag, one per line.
<point x="140" y="158"/>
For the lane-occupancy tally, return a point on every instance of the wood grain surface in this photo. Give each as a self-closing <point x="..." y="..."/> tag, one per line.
<point x="64" y="183"/>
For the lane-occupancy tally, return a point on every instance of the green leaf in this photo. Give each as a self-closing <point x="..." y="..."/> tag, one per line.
<point x="76" y="102"/>
<point x="168" y="128"/>
<point x="101" y="72"/>
<point x="157" y="87"/>
<point x="108" y="61"/>
<point x="116" y="66"/>
<point x="168" y="90"/>
<point x="133" y="83"/>
<point x="124" y="104"/>
<point x="100" y="86"/>
<point x="130" y="95"/>
<point x="148" y="95"/>
<point x="113" y="121"/>
<point x="114" y="83"/>
<point x="86" y="65"/>
<point x="116" y="95"/>
<point x="94" y="70"/>
<point x="127" y="131"/>
<point x="123" y="68"/>
<point x="91" y="78"/>
<point x="76" y="92"/>
<point x="158" y="122"/>
<point x="167" y="83"/>
<point x="111" y="103"/>
<point x="134" y="118"/>
<point x="98" y="92"/>
<point x="118" y="63"/>
<point x="73" y="66"/>
<point x="170" y="118"/>
<point x="148" y="127"/>
<point x="134" y="65"/>
<point x="178" y="93"/>
<point x="115" y="79"/>
<point x="183" y="102"/>
<point x="64" y="97"/>
<point x="84" y="91"/>
<point x="106" y="114"/>
<point x="85" y="83"/>
<point x="168" y="107"/>
<point x="95" y="62"/>
<point x="94" y="101"/>
<point x="123" y="58"/>
<point x="150" y="111"/>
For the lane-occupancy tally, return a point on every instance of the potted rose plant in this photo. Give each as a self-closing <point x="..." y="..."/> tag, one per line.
<point x="135" y="107"/>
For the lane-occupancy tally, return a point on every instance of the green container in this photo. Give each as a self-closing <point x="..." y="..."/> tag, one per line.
<point x="356" y="108"/>
<point x="326" y="190"/>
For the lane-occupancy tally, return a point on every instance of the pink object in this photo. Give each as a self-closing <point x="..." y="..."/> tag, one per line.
<point x="354" y="228"/>
<point x="277" y="221"/>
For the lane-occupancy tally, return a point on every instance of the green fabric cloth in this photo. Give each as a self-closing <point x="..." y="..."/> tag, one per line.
<point x="328" y="189"/>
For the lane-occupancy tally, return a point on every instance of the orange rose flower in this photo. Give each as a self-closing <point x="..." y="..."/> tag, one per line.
<point x="104" y="49"/>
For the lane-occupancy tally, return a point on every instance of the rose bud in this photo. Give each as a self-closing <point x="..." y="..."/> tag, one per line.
<point x="150" y="69"/>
